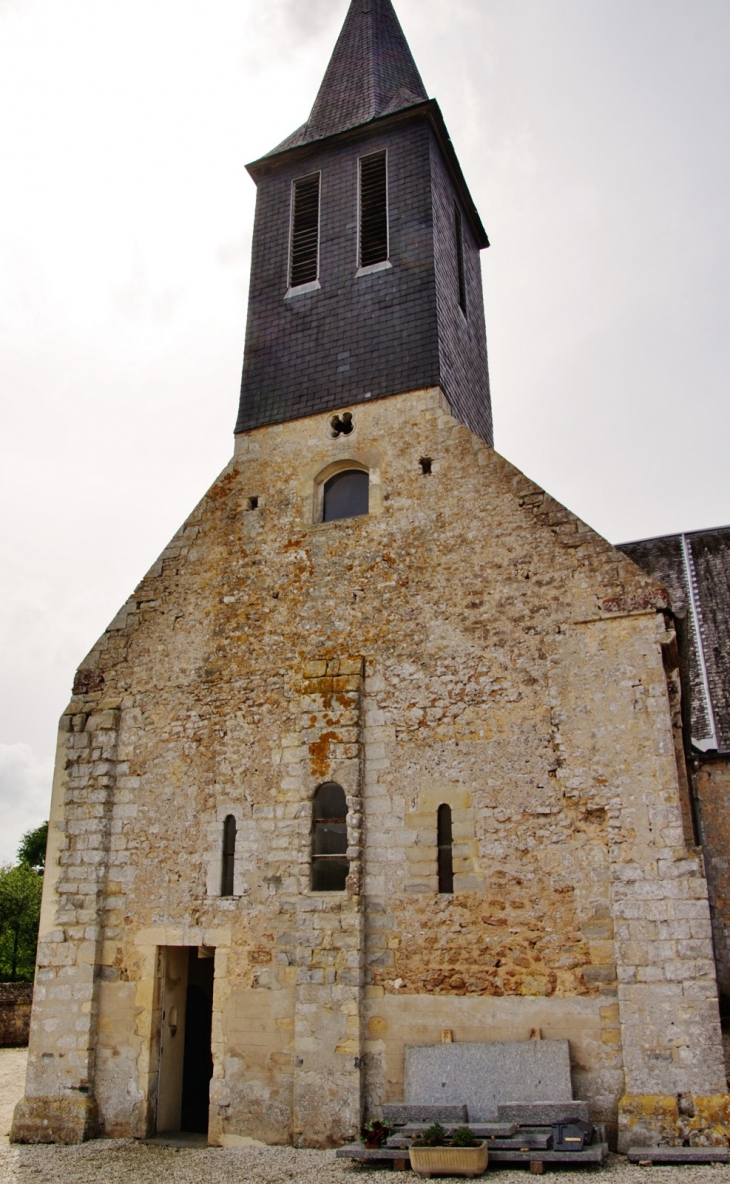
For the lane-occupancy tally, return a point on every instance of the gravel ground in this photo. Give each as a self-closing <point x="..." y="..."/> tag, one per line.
<point x="124" y="1161"/>
<point x="127" y="1162"/>
<point x="12" y="1081"/>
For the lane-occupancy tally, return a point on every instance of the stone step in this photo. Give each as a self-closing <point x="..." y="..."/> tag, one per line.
<point x="543" y="1142"/>
<point x="361" y="1152"/>
<point x="679" y="1155"/>
<point x="596" y="1153"/>
<point x="533" y="1139"/>
<point x="482" y="1130"/>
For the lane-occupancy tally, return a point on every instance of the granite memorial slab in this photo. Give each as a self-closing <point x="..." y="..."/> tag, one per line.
<point x="399" y="1114"/>
<point x="542" y="1113"/>
<point x="485" y="1075"/>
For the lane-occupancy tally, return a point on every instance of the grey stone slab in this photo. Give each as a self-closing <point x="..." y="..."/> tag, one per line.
<point x="542" y="1113"/>
<point x="486" y="1075"/>
<point x="596" y="1153"/>
<point x="542" y="1140"/>
<point x="399" y="1114"/>
<point x="483" y="1130"/>
<point x="360" y="1151"/>
<point x="679" y="1155"/>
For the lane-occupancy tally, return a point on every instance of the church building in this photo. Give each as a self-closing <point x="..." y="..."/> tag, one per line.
<point x="388" y="747"/>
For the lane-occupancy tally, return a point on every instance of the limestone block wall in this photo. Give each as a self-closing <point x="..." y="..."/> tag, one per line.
<point x="467" y="642"/>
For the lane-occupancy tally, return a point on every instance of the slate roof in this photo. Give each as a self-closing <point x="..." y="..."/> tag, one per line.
<point x="371" y="73"/>
<point x="695" y="570"/>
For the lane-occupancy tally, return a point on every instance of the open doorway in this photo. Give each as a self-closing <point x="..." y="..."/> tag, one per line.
<point x="186" y="1061"/>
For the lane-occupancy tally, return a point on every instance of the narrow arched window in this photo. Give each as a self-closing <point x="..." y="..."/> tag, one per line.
<point x="445" y="850"/>
<point x="346" y="495"/>
<point x="229" y="856"/>
<point x="330" y="865"/>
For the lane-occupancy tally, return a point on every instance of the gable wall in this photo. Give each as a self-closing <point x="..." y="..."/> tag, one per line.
<point x="468" y="641"/>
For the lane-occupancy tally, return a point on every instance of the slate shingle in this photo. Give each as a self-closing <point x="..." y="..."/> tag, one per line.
<point x="707" y="564"/>
<point x="371" y="73"/>
<point x="402" y="327"/>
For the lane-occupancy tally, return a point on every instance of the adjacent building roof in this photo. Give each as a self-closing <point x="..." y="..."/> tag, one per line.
<point x="695" y="570"/>
<point x="371" y="73"/>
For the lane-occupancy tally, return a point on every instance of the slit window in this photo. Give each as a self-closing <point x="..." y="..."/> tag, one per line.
<point x="346" y="495"/>
<point x="304" y="263"/>
<point x="459" y="231"/>
<point x="373" y="209"/>
<point x="330" y="865"/>
<point x="228" y="861"/>
<point x="445" y="850"/>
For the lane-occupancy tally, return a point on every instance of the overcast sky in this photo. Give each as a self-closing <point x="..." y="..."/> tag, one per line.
<point x="594" y="136"/>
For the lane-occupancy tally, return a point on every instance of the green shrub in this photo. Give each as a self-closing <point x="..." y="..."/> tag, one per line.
<point x="435" y="1136"/>
<point x="463" y="1137"/>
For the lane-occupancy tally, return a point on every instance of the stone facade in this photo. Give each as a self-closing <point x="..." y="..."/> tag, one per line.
<point x="466" y="643"/>
<point x="15" y="1003"/>
<point x="469" y="642"/>
<point x="695" y="570"/>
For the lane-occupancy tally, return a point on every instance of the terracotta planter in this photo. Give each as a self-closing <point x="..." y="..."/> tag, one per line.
<point x="450" y="1161"/>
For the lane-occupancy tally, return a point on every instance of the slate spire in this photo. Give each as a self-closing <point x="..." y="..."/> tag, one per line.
<point x="371" y="73"/>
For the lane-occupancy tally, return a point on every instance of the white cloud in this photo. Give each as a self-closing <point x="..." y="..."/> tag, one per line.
<point x="25" y="795"/>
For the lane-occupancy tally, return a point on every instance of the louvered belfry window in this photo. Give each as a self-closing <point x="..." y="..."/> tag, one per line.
<point x="373" y="209"/>
<point x="460" y="258"/>
<point x="304" y="264"/>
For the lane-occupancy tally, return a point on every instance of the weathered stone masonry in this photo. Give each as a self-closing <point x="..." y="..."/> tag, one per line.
<point x="265" y="653"/>
<point x="466" y="642"/>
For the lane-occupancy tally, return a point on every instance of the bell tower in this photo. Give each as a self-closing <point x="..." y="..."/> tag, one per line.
<point x="365" y="272"/>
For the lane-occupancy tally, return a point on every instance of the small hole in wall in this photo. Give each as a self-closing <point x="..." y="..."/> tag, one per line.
<point x="425" y="463"/>
<point x="252" y="503"/>
<point x="341" y="425"/>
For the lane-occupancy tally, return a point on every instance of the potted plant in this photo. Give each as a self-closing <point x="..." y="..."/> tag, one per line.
<point x="375" y="1133"/>
<point x="460" y="1155"/>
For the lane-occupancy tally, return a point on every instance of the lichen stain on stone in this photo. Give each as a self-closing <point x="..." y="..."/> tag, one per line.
<point x="454" y="948"/>
<point x="319" y="752"/>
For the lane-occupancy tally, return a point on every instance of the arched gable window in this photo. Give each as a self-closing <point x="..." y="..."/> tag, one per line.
<point x="445" y="850"/>
<point x="229" y="856"/>
<point x="330" y="865"/>
<point x="346" y="495"/>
